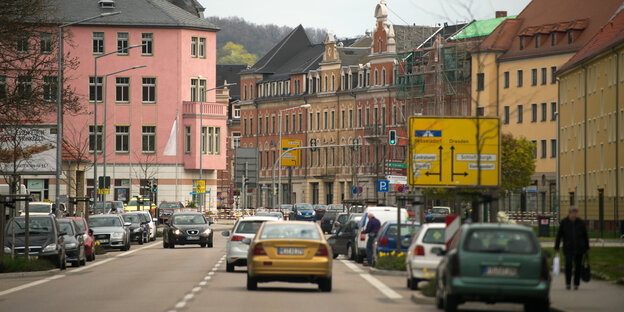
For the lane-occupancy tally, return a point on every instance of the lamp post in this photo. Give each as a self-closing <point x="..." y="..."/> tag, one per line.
<point x="95" y="125"/>
<point x="59" y="102"/>
<point x="106" y="114"/>
<point x="201" y="135"/>
<point x="279" y="182"/>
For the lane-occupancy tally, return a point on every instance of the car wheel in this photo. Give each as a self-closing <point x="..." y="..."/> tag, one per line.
<point x="325" y="284"/>
<point x="335" y="255"/>
<point x="229" y="267"/>
<point x="349" y="252"/>
<point x="412" y="283"/>
<point x="541" y="305"/>
<point x="450" y="302"/>
<point x="252" y="283"/>
<point x="210" y="244"/>
<point x="140" y="241"/>
<point x="202" y="245"/>
<point x="171" y="245"/>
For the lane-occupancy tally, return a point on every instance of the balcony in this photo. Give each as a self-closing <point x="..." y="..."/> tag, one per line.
<point x="192" y="109"/>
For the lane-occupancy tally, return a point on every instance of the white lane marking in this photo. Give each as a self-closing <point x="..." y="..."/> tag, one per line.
<point x="196" y="289"/>
<point x="206" y="278"/>
<point x="126" y="253"/>
<point x="210" y="273"/>
<point x="352" y="266"/>
<point x="188" y="297"/>
<point x="381" y="286"/>
<point x="202" y="283"/>
<point x="91" y="265"/>
<point x="180" y="304"/>
<point x="214" y="269"/>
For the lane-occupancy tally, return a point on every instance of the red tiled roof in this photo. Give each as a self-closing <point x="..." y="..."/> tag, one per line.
<point x="611" y="34"/>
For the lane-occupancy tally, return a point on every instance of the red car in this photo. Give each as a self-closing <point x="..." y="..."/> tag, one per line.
<point x="88" y="237"/>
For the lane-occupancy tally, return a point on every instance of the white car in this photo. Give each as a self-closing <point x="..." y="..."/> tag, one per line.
<point x="152" y="224"/>
<point x="383" y="214"/>
<point x="236" y="251"/>
<point x="423" y="254"/>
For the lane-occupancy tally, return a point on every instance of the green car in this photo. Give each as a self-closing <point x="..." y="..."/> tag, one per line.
<point x="493" y="263"/>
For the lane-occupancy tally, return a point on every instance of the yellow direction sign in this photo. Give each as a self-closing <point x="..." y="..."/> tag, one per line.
<point x="201" y="186"/>
<point x="292" y="158"/>
<point x="103" y="191"/>
<point x="443" y="151"/>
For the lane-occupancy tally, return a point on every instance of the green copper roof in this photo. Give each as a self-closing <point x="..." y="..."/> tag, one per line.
<point x="481" y="28"/>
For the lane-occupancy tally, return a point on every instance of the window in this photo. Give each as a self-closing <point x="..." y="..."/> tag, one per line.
<point x="236" y="111"/>
<point x="217" y="140"/>
<point x="193" y="46"/>
<point x="95" y="137"/>
<point x="24" y="86"/>
<point x="122" y="43"/>
<point x="294" y="128"/>
<point x="544" y="75"/>
<point x="521" y="42"/>
<point x="325" y="121"/>
<point x="286" y="123"/>
<point x="333" y="82"/>
<point x="260" y="125"/>
<point x="534" y="77"/>
<point x="49" y="88"/>
<point x="202" y="47"/>
<point x="533" y="112"/>
<point x="520" y="112"/>
<point x="537" y="41"/>
<point x="147" y="40"/>
<point x="383" y="76"/>
<point x="202" y="88"/>
<point x="506" y="115"/>
<point x="98" y="42"/>
<point x="534" y="148"/>
<point x="266" y="124"/>
<point x="211" y="138"/>
<point x="543" y="149"/>
<point x="92" y="89"/>
<point x="3" y="87"/>
<point x="570" y="37"/>
<point x="333" y="120"/>
<point x="202" y="142"/>
<point x="194" y="82"/>
<point x="318" y="121"/>
<point x="553" y="78"/>
<point x="506" y="80"/>
<point x="553" y="148"/>
<point x="122" y="89"/>
<point x="350" y="118"/>
<point x="23" y="43"/>
<point x="122" y="139"/>
<point x="149" y="139"/>
<point x="342" y="119"/>
<point x="300" y="122"/>
<point x="245" y="127"/>
<point x="480" y="81"/>
<point x="376" y="77"/>
<point x="553" y="39"/>
<point x="519" y="78"/>
<point x="359" y="117"/>
<point x="236" y="142"/>
<point x="251" y="91"/>
<point x="251" y="127"/>
<point x="45" y="42"/>
<point x="187" y="139"/>
<point x="149" y="90"/>
<point x="481" y="111"/>
<point x="273" y="125"/>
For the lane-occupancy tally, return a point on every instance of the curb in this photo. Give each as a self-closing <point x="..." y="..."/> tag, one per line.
<point x="374" y="271"/>
<point x="418" y="298"/>
<point x="29" y="274"/>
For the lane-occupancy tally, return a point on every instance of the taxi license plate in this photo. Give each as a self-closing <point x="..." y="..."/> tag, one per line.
<point x="500" y="271"/>
<point x="102" y="240"/>
<point x="290" y="251"/>
<point x="192" y="238"/>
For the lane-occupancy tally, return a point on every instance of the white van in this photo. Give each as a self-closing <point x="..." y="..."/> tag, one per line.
<point x="5" y="190"/>
<point x="383" y="214"/>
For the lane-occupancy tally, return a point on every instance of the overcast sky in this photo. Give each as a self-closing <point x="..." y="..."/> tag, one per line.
<point x="354" y="17"/>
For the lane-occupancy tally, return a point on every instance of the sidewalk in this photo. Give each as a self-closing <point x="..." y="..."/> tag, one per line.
<point x="593" y="296"/>
<point x="592" y="243"/>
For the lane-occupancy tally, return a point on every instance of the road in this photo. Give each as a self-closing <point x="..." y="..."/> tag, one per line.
<point x="189" y="278"/>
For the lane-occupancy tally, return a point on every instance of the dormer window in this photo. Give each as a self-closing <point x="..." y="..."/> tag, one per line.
<point x="521" y="42"/>
<point x="570" y="36"/>
<point x="107" y="4"/>
<point x="537" y="41"/>
<point x="553" y="39"/>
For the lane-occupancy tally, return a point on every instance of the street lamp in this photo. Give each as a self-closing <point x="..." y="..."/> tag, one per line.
<point x="59" y="101"/>
<point x="95" y="125"/>
<point x="105" y="112"/>
<point x="201" y="133"/>
<point x="279" y="182"/>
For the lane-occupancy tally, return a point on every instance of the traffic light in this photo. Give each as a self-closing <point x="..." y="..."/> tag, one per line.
<point x="154" y="186"/>
<point x="392" y="137"/>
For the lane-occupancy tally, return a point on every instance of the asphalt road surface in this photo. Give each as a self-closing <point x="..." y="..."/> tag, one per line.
<point x="189" y="278"/>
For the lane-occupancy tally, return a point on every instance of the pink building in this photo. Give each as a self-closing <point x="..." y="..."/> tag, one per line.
<point x="179" y="52"/>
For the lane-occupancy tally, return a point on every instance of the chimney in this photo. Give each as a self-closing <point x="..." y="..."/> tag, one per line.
<point x="501" y="14"/>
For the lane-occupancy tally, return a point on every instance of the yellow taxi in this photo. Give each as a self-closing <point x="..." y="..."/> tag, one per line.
<point x="289" y="251"/>
<point x="133" y="205"/>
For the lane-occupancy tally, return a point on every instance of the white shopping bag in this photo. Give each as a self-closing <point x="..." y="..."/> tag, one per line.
<point x="556" y="265"/>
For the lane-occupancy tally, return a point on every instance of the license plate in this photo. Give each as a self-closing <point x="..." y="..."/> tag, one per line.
<point x="500" y="271"/>
<point x="290" y="251"/>
<point x="192" y="238"/>
<point x="102" y="240"/>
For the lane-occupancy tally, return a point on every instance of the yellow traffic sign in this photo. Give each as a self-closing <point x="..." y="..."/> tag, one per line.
<point x="103" y="191"/>
<point x="201" y="186"/>
<point x="443" y="151"/>
<point x="292" y="158"/>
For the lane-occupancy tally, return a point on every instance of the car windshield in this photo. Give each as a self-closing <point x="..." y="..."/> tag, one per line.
<point x="118" y="205"/>
<point x="248" y="227"/>
<point x="133" y="218"/>
<point x="102" y="222"/>
<point x="406" y="230"/>
<point x="434" y="236"/>
<point x="303" y="206"/>
<point x="290" y="231"/>
<point x="81" y="225"/>
<point x="39" y="208"/>
<point x="35" y="226"/>
<point x="440" y="211"/>
<point x="169" y="205"/>
<point x="66" y="227"/>
<point x="500" y="241"/>
<point x="188" y="219"/>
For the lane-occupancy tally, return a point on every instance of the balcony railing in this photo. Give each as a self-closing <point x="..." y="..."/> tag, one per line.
<point x="210" y="109"/>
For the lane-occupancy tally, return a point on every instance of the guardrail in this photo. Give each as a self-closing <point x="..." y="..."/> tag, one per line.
<point x="530" y="216"/>
<point x="234" y="214"/>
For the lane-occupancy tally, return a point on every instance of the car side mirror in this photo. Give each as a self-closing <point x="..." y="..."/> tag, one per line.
<point x="225" y="233"/>
<point x="127" y="223"/>
<point x="331" y="241"/>
<point x="246" y="241"/>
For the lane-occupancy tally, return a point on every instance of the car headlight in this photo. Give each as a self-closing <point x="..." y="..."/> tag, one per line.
<point x="51" y="247"/>
<point x="177" y="232"/>
<point x="7" y="250"/>
<point x="298" y="213"/>
<point x="207" y="231"/>
<point x="70" y="245"/>
<point x="137" y="230"/>
<point x="313" y="212"/>
<point x="118" y="235"/>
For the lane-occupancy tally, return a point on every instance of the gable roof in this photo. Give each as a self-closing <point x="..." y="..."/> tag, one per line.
<point x="291" y="45"/>
<point x="154" y="13"/>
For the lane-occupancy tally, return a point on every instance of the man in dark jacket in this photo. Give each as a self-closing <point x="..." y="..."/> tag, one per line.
<point x="575" y="243"/>
<point x="371" y="230"/>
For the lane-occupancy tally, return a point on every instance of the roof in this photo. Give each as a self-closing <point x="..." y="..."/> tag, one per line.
<point x="353" y="56"/>
<point x="154" y="13"/>
<point x="446" y="31"/>
<point x="410" y="37"/>
<point x="480" y="28"/>
<point x="610" y="35"/>
<point x="230" y="73"/>
<point x="288" y="47"/>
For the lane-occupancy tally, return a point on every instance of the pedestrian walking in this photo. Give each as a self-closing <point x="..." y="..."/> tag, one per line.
<point x="575" y="244"/>
<point x="371" y="230"/>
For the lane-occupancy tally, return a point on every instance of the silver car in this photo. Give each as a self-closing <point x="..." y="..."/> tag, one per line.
<point x="110" y="231"/>
<point x="152" y="224"/>
<point x="235" y="249"/>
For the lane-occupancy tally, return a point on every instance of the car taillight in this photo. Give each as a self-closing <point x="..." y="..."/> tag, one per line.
<point x="237" y="238"/>
<point x="383" y="241"/>
<point x="455" y="265"/>
<point x="258" y="250"/>
<point x="419" y="250"/>
<point x="362" y="236"/>
<point x="322" y="251"/>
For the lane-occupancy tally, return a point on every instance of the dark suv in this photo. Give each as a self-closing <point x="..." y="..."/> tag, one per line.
<point x="46" y="240"/>
<point x="166" y="209"/>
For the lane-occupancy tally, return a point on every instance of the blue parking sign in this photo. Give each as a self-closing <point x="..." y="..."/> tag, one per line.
<point x="383" y="185"/>
<point x="354" y="190"/>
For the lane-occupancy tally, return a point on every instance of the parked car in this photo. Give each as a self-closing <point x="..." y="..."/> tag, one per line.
<point x="115" y="206"/>
<point x="336" y="207"/>
<point x="110" y="231"/>
<point x="383" y="214"/>
<point x="74" y="242"/>
<point x="327" y="221"/>
<point x="341" y="218"/>
<point x="437" y="214"/>
<point x="187" y="228"/>
<point x="166" y="209"/>
<point x="235" y="250"/>
<point x="342" y="241"/>
<point x="424" y="254"/>
<point x="289" y="251"/>
<point x="319" y="211"/>
<point x="89" y="240"/>
<point x="303" y="212"/>
<point x="43" y="208"/>
<point x="493" y="263"/>
<point x="151" y="223"/>
<point x="386" y="240"/>
<point x="46" y="240"/>
<point x="139" y="228"/>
